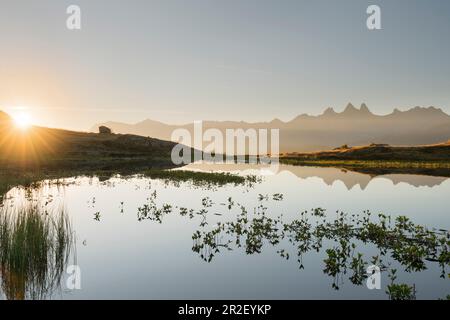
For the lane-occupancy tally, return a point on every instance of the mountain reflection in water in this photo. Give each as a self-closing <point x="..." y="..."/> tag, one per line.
<point x="328" y="175"/>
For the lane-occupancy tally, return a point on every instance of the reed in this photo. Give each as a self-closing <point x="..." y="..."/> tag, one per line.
<point x="35" y="247"/>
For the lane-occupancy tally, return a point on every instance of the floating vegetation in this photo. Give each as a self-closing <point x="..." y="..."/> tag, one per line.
<point x="262" y="197"/>
<point x="229" y="204"/>
<point x="150" y="211"/>
<point x="400" y="291"/>
<point x="409" y="244"/>
<point x="34" y="251"/>
<point x="198" y="177"/>
<point x="396" y="240"/>
<point x="277" y="197"/>
<point x="35" y="180"/>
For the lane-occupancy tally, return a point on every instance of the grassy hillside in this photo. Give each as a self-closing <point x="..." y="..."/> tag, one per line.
<point x="47" y="149"/>
<point x="435" y="152"/>
<point x="380" y="159"/>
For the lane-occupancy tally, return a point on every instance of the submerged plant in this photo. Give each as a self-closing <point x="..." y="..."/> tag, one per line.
<point x="34" y="250"/>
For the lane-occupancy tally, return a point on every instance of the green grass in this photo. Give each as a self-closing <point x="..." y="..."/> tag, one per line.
<point x="14" y="178"/>
<point x="34" y="250"/>
<point x="380" y="159"/>
<point x="369" y="163"/>
<point x="196" y="177"/>
<point x="378" y="167"/>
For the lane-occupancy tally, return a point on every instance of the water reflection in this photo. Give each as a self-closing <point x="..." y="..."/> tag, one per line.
<point x="154" y="239"/>
<point x="344" y="239"/>
<point x="327" y="174"/>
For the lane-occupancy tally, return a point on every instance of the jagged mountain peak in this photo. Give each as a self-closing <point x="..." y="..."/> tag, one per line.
<point x="148" y="122"/>
<point x="435" y="110"/>
<point x="301" y="117"/>
<point x="421" y="111"/>
<point x="276" y="121"/>
<point x="329" y="112"/>
<point x="364" y="109"/>
<point x="350" y="108"/>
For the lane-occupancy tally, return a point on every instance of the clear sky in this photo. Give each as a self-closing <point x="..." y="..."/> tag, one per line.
<point x="253" y="60"/>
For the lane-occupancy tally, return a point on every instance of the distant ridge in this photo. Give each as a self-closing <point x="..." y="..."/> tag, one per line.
<point x="4" y="117"/>
<point x="351" y="110"/>
<point x="304" y="133"/>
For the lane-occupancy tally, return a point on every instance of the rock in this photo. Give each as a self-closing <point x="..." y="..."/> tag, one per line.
<point x="104" y="130"/>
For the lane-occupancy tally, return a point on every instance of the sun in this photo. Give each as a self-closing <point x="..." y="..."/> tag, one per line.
<point x="22" y="120"/>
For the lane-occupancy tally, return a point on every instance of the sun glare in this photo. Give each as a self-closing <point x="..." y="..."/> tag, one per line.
<point x="22" y="120"/>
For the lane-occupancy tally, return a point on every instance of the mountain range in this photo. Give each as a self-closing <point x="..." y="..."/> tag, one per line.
<point x="307" y="133"/>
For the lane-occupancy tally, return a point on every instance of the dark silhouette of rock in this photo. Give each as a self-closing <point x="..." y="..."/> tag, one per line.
<point x="104" y="130"/>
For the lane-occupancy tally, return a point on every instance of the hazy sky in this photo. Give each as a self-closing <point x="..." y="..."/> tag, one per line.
<point x="178" y="61"/>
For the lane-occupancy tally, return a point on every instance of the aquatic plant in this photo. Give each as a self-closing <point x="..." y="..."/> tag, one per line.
<point x="198" y="178"/>
<point x="412" y="246"/>
<point x="150" y="211"/>
<point x="34" y="250"/>
<point x="400" y="291"/>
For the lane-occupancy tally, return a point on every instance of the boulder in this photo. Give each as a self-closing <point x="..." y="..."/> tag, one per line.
<point x="104" y="130"/>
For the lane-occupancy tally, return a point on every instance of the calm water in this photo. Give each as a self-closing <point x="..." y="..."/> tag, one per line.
<point x="122" y="257"/>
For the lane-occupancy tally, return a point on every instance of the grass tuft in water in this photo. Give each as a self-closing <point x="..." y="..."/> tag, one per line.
<point x="197" y="177"/>
<point x="34" y="250"/>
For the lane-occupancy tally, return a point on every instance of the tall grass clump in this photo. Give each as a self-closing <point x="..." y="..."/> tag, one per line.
<point x="34" y="250"/>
